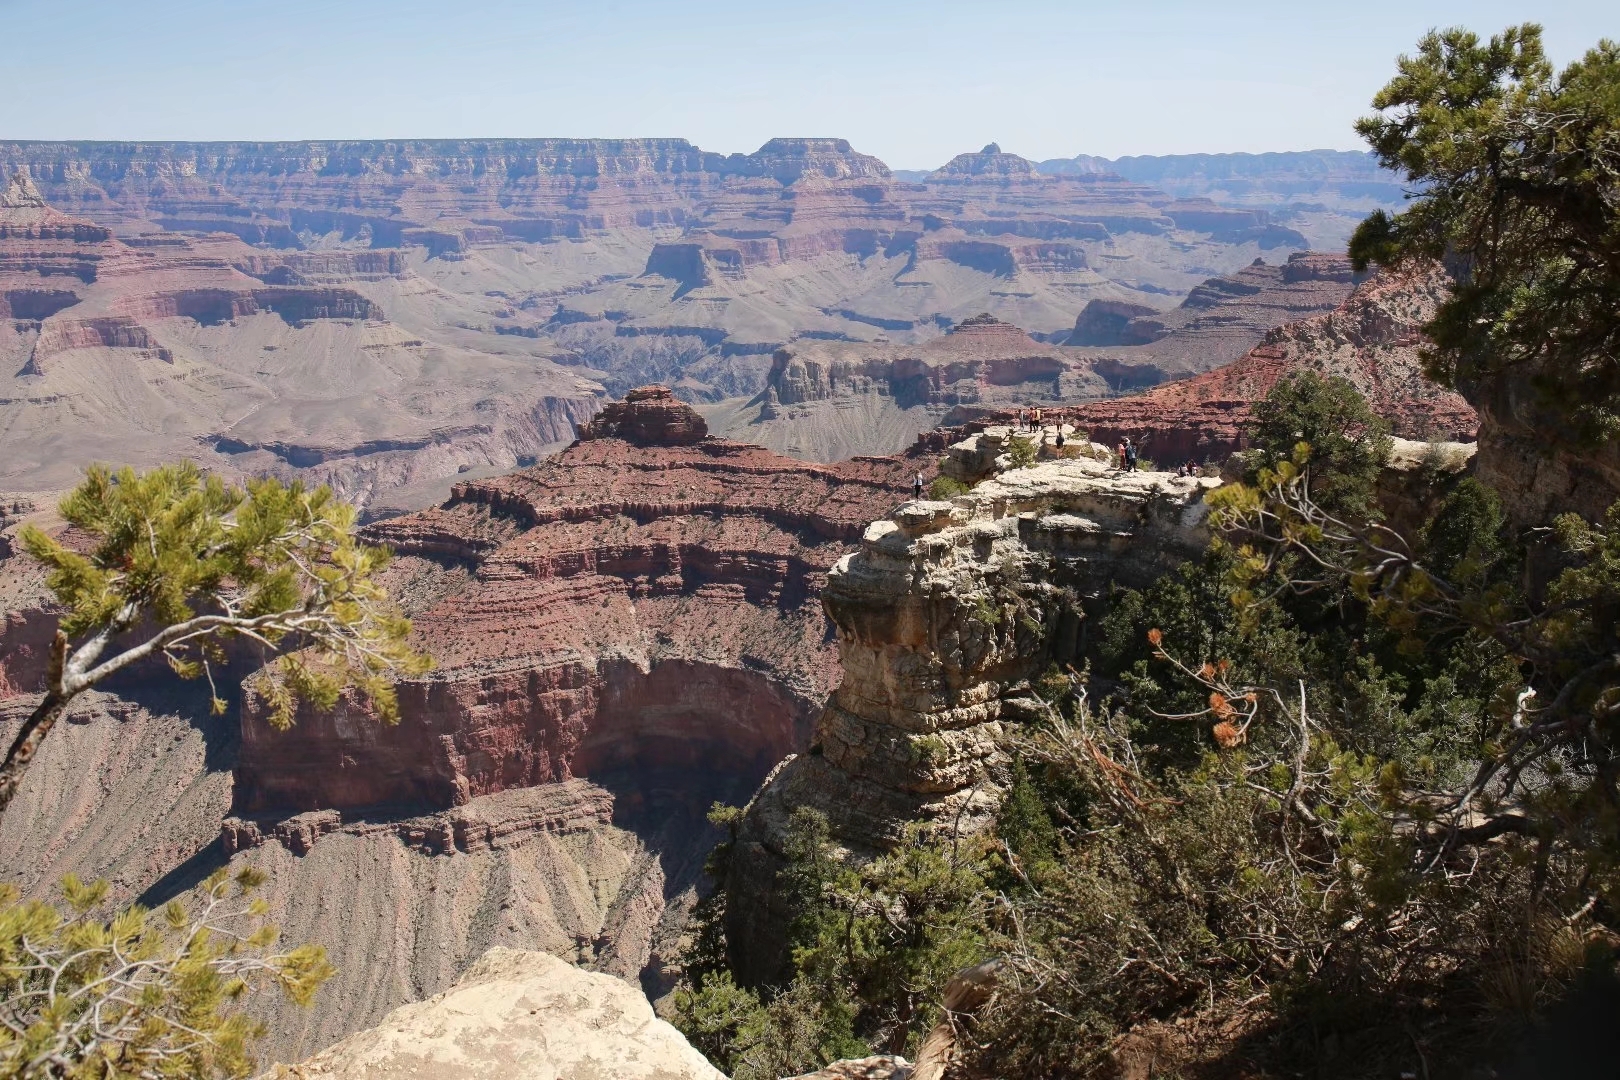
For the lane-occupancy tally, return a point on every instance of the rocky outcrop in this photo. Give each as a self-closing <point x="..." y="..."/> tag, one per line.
<point x="1528" y="455"/>
<point x="943" y="615"/>
<point x="1373" y="339"/>
<point x="649" y="416"/>
<point x="520" y="1016"/>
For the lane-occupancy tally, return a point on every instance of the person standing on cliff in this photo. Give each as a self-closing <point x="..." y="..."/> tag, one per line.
<point x="917" y="486"/>
<point x="1019" y="426"/>
<point x="1130" y="455"/>
<point x="1121" y="449"/>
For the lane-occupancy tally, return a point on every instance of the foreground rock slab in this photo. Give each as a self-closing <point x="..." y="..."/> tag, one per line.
<point x="518" y="1016"/>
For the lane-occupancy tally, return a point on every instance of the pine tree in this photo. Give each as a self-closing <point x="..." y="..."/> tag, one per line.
<point x="181" y="563"/>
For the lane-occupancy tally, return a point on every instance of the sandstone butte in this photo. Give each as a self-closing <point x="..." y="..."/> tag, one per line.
<point x="648" y="599"/>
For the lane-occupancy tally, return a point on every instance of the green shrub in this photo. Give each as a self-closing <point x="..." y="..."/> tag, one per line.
<point x="1021" y="452"/>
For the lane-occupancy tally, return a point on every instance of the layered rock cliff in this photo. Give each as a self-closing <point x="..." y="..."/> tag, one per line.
<point x="153" y="348"/>
<point x="649" y="596"/>
<point x="730" y="216"/>
<point x="825" y="400"/>
<point x="1374" y="339"/>
<point x="1219" y="321"/>
<point x="387" y="315"/>
<point x="944" y="614"/>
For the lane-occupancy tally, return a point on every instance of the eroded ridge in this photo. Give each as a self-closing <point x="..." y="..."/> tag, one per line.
<point x="628" y="607"/>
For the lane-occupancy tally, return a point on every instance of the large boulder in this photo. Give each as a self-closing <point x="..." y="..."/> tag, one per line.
<point x="518" y="1016"/>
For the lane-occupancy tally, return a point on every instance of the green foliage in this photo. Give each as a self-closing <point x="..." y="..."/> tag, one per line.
<point x="945" y="488"/>
<point x="1517" y="173"/>
<point x="1021" y="452"/>
<point x="1464" y="541"/>
<point x="202" y="562"/>
<point x="143" y="993"/>
<point x="1348" y="443"/>
<point x="1023" y="822"/>
<point x="871" y="948"/>
<point x="796" y="1030"/>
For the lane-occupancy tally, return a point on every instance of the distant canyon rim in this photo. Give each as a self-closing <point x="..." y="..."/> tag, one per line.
<point x="391" y="317"/>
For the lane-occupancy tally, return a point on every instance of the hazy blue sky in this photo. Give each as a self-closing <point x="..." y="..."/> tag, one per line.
<point x="912" y="83"/>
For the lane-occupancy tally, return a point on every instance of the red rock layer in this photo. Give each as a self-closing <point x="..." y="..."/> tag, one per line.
<point x="1217" y="323"/>
<point x="649" y="415"/>
<point x="1373" y="339"/>
<point x="625" y="608"/>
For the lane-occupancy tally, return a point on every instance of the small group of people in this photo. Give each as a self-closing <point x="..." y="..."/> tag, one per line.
<point x="1031" y="419"/>
<point x="1127" y="454"/>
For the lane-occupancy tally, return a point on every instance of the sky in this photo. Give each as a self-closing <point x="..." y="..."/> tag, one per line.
<point x="913" y="83"/>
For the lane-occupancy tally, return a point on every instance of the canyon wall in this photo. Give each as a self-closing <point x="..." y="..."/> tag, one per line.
<point x="156" y="348"/>
<point x="1540" y="469"/>
<point x="646" y="598"/>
